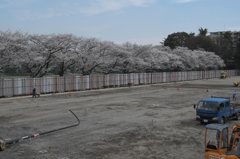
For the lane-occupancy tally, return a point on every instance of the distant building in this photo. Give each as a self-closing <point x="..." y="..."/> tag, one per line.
<point x="215" y="36"/>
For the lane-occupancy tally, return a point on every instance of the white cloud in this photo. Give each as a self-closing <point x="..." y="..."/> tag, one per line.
<point x="141" y="2"/>
<point x="48" y="13"/>
<point x="183" y="1"/>
<point x="100" y="6"/>
<point x="66" y="8"/>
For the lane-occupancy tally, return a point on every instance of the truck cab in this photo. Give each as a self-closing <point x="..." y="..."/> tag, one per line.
<point x="215" y="110"/>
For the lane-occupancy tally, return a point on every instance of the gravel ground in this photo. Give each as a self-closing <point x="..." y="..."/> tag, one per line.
<point x="140" y="122"/>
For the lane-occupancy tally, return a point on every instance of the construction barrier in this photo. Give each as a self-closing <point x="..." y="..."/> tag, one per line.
<point x="24" y="86"/>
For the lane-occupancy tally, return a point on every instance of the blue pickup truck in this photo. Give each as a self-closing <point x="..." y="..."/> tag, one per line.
<point x="216" y="110"/>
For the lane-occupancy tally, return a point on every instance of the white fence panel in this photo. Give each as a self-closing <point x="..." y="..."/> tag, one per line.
<point x="136" y="79"/>
<point x="19" y="86"/>
<point x="87" y="81"/>
<point x="78" y="83"/>
<point x="117" y="80"/>
<point x="164" y="77"/>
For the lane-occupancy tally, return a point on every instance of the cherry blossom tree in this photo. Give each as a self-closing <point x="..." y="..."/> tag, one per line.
<point x="209" y="60"/>
<point x="65" y="58"/>
<point x="186" y="60"/>
<point x="38" y="55"/>
<point x="11" y="44"/>
<point x="90" y="54"/>
<point x="38" y="58"/>
<point x="113" y="60"/>
<point x="135" y="63"/>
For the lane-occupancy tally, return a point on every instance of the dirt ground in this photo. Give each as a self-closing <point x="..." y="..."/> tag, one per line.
<point x="140" y="122"/>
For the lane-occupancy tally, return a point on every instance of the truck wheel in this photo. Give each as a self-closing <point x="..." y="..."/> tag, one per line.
<point x="235" y="85"/>
<point x="222" y="121"/>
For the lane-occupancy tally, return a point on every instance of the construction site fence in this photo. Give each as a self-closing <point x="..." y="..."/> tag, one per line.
<point x="11" y="87"/>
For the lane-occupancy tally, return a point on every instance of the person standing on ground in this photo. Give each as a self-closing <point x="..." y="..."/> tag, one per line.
<point x="34" y="92"/>
<point x="234" y="96"/>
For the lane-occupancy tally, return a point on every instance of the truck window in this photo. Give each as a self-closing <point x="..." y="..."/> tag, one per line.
<point x="225" y="138"/>
<point x="221" y="106"/>
<point x="212" y="138"/>
<point x="208" y="106"/>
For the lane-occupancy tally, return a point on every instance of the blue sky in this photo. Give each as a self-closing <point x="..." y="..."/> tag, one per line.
<point x="136" y="21"/>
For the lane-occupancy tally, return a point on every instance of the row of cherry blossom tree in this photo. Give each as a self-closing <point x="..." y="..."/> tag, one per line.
<point x="38" y="55"/>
